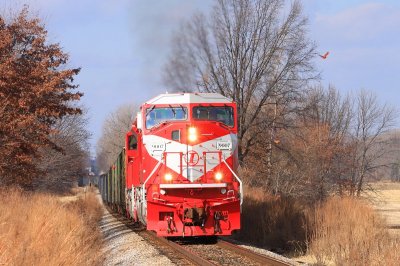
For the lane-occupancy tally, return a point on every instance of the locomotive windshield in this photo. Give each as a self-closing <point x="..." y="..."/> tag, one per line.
<point x="155" y="116"/>
<point x="223" y="114"/>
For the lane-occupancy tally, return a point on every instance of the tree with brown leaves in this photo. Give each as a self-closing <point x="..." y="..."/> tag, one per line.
<point x="36" y="89"/>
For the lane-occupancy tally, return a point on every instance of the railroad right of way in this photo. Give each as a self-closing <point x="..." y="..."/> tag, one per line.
<point x="127" y="244"/>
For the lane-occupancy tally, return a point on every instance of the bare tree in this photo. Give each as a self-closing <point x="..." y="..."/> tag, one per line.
<point x="308" y="156"/>
<point x="335" y="144"/>
<point x="61" y="168"/>
<point x="112" y="139"/>
<point x="327" y="119"/>
<point x="371" y="121"/>
<point x="250" y="51"/>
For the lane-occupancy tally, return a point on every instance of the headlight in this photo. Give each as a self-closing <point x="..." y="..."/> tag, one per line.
<point x="168" y="177"/>
<point x="192" y="136"/>
<point x="218" y="176"/>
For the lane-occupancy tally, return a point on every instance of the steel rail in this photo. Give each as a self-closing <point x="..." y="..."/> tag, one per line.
<point x="262" y="259"/>
<point x="188" y="255"/>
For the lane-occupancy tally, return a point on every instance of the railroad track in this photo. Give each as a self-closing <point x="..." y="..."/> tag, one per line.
<point x="197" y="253"/>
<point x="192" y="257"/>
<point x="199" y="258"/>
<point x="262" y="259"/>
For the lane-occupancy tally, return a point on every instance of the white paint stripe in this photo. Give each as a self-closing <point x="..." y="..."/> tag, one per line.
<point x="173" y="148"/>
<point x="192" y="185"/>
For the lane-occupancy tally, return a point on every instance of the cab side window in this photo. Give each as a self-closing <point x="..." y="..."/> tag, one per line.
<point x="223" y="114"/>
<point x="132" y="142"/>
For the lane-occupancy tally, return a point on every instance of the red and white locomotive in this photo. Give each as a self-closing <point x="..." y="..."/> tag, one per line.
<point x="180" y="166"/>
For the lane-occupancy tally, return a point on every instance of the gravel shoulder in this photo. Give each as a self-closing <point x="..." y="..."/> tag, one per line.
<point x="122" y="246"/>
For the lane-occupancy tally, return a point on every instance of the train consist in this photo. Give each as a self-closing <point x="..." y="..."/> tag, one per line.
<point x="177" y="172"/>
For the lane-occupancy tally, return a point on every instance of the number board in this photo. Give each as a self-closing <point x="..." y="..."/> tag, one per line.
<point x="158" y="146"/>
<point x="224" y="145"/>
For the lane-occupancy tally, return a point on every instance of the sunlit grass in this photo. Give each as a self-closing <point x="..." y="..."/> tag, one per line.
<point x="38" y="229"/>
<point x="348" y="231"/>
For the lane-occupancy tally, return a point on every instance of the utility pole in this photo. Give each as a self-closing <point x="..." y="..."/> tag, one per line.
<point x="271" y="138"/>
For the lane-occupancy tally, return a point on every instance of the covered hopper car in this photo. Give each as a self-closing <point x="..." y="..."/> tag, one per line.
<point x="177" y="172"/>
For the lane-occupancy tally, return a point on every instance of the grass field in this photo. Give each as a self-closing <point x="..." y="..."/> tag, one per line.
<point x="385" y="198"/>
<point x="43" y="229"/>
<point x="354" y="232"/>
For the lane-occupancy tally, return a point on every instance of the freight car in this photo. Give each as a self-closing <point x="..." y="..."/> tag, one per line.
<point x="177" y="172"/>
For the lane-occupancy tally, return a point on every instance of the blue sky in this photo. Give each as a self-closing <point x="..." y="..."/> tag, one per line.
<point x="363" y="38"/>
<point x="121" y="45"/>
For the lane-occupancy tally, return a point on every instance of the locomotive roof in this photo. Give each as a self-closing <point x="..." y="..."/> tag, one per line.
<point x="181" y="98"/>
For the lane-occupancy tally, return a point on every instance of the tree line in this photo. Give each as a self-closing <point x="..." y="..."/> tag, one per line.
<point x="43" y="139"/>
<point x="304" y="140"/>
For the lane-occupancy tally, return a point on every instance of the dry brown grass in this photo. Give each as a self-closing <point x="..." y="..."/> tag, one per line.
<point x="385" y="198"/>
<point x="347" y="231"/>
<point x="272" y="222"/>
<point x="38" y="229"/>
<point x="341" y="231"/>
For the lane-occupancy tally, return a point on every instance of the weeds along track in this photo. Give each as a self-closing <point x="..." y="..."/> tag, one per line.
<point x="203" y="251"/>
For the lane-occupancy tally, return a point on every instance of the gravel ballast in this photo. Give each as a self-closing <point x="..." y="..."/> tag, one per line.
<point x="122" y="246"/>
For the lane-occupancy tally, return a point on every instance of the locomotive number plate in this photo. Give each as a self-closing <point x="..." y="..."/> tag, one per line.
<point x="224" y="145"/>
<point x="158" y="146"/>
